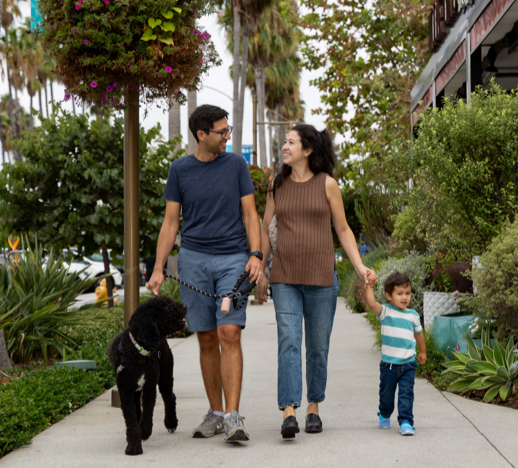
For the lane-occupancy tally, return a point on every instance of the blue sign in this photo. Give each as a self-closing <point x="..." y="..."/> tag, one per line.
<point x="35" y="15"/>
<point x="246" y="151"/>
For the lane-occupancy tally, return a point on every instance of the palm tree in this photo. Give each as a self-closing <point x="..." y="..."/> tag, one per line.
<point x="277" y="37"/>
<point x="240" y="19"/>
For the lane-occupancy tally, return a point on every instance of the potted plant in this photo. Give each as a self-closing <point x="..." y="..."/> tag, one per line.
<point x="113" y="53"/>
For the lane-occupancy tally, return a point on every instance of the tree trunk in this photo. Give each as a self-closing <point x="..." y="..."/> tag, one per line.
<point x="109" y="279"/>
<point x="41" y="106"/>
<point x="11" y="104"/>
<point x="259" y="86"/>
<point x="46" y="99"/>
<point x="73" y="105"/>
<point x="175" y="123"/>
<point x="280" y="143"/>
<point x="242" y="85"/>
<point x="31" y="122"/>
<point x="16" y="127"/>
<point x="237" y="120"/>
<point x="270" y="146"/>
<point x="5" y="362"/>
<point x="192" y="100"/>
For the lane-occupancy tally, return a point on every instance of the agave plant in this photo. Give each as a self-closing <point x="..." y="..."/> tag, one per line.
<point x="35" y="297"/>
<point x="492" y="369"/>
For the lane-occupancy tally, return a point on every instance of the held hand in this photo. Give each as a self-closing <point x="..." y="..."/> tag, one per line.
<point x="155" y="282"/>
<point x="254" y="266"/>
<point x="422" y="358"/>
<point x="261" y="290"/>
<point x="367" y="275"/>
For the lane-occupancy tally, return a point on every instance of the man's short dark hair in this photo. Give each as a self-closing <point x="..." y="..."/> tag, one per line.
<point x="203" y="118"/>
<point x="396" y="279"/>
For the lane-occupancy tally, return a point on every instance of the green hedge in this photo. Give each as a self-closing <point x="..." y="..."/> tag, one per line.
<point x="41" y="398"/>
<point x="44" y="396"/>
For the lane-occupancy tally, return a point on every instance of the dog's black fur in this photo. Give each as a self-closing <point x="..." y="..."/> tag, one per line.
<point x="151" y="322"/>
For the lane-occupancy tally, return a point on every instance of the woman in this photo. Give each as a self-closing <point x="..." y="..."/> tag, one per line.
<point x="305" y="197"/>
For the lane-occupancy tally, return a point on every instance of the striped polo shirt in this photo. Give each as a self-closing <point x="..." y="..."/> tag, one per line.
<point x="397" y="334"/>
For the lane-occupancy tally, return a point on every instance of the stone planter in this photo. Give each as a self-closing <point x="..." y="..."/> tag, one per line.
<point x="438" y="304"/>
<point x="448" y="332"/>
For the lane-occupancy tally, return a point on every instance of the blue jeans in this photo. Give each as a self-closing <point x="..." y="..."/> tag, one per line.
<point x="402" y="376"/>
<point x="316" y="305"/>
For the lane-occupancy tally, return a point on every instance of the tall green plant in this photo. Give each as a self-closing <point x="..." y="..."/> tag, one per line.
<point x="35" y="296"/>
<point x="465" y="160"/>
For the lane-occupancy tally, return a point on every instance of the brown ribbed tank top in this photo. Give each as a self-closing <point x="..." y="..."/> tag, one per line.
<point x="305" y="251"/>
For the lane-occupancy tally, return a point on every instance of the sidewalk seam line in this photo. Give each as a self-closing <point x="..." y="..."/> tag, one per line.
<point x="478" y="430"/>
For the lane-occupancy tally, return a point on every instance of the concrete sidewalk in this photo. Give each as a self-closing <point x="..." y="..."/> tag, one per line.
<point x="450" y="431"/>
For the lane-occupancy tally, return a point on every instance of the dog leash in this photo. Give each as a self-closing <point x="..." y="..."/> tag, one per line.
<point x="234" y="294"/>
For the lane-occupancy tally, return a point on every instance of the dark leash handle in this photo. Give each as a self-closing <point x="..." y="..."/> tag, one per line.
<point x="234" y="294"/>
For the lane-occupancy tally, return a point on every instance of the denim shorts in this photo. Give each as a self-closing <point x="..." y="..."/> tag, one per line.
<point x="214" y="274"/>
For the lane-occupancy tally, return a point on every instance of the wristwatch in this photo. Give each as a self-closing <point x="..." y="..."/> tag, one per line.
<point x="257" y="254"/>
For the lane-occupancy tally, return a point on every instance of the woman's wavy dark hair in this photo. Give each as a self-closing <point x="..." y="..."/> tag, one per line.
<point x="321" y="159"/>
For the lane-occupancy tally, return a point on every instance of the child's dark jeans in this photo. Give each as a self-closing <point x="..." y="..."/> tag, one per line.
<point x="391" y="377"/>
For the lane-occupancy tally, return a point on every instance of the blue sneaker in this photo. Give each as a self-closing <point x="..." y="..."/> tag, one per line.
<point x="406" y="429"/>
<point x="384" y="423"/>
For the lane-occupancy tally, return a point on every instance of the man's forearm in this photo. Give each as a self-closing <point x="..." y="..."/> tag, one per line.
<point x="165" y="244"/>
<point x="253" y="232"/>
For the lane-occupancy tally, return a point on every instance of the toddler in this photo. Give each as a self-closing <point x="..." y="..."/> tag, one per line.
<point x="400" y="330"/>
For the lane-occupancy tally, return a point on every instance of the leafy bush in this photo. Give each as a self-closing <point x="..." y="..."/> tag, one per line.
<point x="466" y="184"/>
<point x="102" y="49"/>
<point x="415" y="267"/>
<point x="171" y="288"/>
<point x="34" y="299"/>
<point x="40" y="399"/>
<point x="435" y="359"/>
<point x="497" y="280"/>
<point x="406" y="235"/>
<point x="492" y="369"/>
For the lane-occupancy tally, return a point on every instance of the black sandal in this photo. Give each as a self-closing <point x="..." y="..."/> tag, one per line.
<point x="289" y="428"/>
<point x="313" y="423"/>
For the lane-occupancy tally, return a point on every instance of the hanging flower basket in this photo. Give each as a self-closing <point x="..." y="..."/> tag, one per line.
<point x="107" y="50"/>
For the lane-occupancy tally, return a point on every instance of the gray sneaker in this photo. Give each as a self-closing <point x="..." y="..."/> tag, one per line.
<point x="212" y="424"/>
<point x="234" y="428"/>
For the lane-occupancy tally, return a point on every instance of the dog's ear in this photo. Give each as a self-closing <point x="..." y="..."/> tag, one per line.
<point x="149" y="335"/>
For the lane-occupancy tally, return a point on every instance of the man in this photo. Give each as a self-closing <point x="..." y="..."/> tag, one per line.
<point x="211" y="187"/>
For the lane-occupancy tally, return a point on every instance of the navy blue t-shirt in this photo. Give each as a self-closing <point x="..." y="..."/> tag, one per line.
<point x="210" y="194"/>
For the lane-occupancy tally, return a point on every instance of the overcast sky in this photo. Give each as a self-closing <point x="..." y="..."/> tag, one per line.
<point x="218" y="78"/>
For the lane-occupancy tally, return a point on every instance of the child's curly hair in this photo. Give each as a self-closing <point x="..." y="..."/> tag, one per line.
<point x="396" y="279"/>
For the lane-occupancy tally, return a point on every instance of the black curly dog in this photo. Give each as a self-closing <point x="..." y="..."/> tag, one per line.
<point x="139" y="371"/>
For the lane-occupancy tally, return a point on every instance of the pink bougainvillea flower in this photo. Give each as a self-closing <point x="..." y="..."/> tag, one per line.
<point x="74" y="31"/>
<point x="219" y="14"/>
<point x="202" y="61"/>
<point x="107" y="2"/>
<point x="186" y="4"/>
<point x="78" y="7"/>
<point x="115" y="84"/>
<point x="109" y="89"/>
<point x="67" y="96"/>
<point x="93" y="84"/>
<point x="196" y="32"/>
<point x="86" y="41"/>
<point x="103" y="96"/>
<point x="168" y="69"/>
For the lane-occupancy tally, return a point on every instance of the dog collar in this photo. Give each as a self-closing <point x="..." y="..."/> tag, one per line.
<point x="141" y="350"/>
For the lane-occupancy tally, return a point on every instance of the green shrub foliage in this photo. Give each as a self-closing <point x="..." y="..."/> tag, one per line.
<point x="70" y="187"/>
<point x="465" y="160"/>
<point x="497" y="280"/>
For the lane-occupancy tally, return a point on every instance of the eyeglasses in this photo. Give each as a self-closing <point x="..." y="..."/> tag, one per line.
<point x="224" y="133"/>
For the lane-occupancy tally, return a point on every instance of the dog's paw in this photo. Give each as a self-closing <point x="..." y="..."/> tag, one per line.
<point x="146" y="433"/>
<point x="171" y="429"/>
<point x="134" y="450"/>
